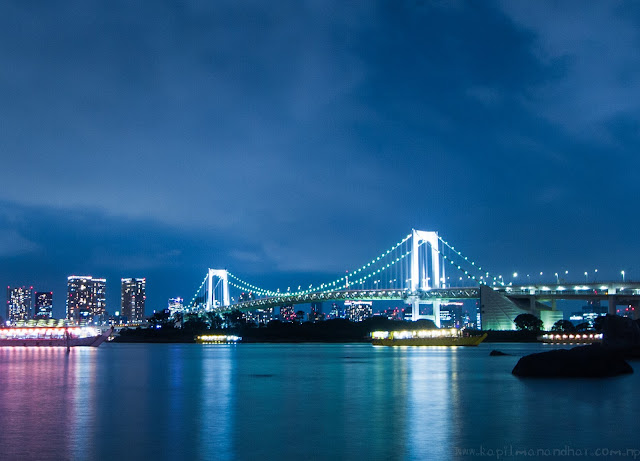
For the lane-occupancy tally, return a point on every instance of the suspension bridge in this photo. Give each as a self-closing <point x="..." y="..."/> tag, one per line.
<point x="423" y="270"/>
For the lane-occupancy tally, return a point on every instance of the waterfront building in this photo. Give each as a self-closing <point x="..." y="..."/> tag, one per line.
<point x="335" y="312"/>
<point x="446" y="318"/>
<point x="498" y="311"/>
<point x="468" y="321"/>
<point x="175" y="305"/>
<point x="132" y="300"/>
<point x="394" y="313"/>
<point x="451" y="315"/>
<point x="590" y="312"/>
<point x="357" y="311"/>
<point x="19" y="301"/>
<point x="86" y="299"/>
<point x="260" y="316"/>
<point x="316" y="314"/>
<point x="43" y="305"/>
<point x="287" y="313"/>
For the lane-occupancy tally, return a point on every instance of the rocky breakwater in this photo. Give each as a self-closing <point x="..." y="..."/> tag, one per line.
<point x="621" y="338"/>
<point x="594" y="361"/>
<point x="621" y="334"/>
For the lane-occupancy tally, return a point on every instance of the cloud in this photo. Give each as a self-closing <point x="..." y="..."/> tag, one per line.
<point x="590" y="53"/>
<point x="303" y="136"/>
<point x="14" y="244"/>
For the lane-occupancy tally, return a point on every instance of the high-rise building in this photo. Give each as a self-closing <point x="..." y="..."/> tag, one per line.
<point x="175" y="305"/>
<point x="336" y="312"/>
<point x="260" y="316"/>
<point x="357" y="311"/>
<point x="132" y="299"/>
<point x="316" y="314"/>
<point x="86" y="299"/>
<point x="19" y="304"/>
<point x="394" y="313"/>
<point x="451" y="315"/>
<point x="287" y="313"/>
<point x="44" y="305"/>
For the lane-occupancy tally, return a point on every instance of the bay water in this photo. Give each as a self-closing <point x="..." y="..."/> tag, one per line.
<point x="305" y="401"/>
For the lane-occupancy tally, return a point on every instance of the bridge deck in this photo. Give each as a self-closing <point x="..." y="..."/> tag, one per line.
<point x="602" y="290"/>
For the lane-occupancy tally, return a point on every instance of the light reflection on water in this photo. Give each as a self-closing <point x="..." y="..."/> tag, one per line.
<point x="299" y="401"/>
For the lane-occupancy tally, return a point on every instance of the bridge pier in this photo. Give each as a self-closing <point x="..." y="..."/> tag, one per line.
<point x="222" y="275"/>
<point x="415" y="310"/>
<point x="432" y="276"/>
<point x="436" y="312"/>
<point x="414" y="301"/>
<point x="613" y="302"/>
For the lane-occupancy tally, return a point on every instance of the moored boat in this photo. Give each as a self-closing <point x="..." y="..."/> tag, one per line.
<point x="69" y="336"/>
<point x="439" y="337"/>
<point x="571" y="338"/>
<point x="218" y="339"/>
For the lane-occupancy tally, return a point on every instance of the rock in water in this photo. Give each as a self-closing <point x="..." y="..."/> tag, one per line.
<point x="495" y="353"/>
<point x="594" y="361"/>
<point x="620" y="332"/>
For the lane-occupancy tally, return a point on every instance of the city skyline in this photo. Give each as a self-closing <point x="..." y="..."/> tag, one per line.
<point x="290" y="143"/>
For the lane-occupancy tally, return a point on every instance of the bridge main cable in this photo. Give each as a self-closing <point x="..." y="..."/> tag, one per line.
<point x="339" y="283"/>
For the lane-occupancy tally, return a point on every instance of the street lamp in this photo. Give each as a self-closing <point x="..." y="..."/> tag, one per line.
<point x="586" y="278"/>
<point x="622" y="272"/>
<point x="557" y="279"/>
<point x="595" y="275"/>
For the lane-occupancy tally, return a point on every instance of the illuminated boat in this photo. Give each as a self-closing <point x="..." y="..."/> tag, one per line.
<point x="68" y="336"/>
<point x="440" y="337"/>
<point x="218" y="339"/>
<point x="571" y="338"/>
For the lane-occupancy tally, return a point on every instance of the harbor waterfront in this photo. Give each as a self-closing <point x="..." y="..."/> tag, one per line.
<point x="303" y="401"/>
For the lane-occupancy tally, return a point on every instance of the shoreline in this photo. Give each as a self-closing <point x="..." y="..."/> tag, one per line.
<point x="296" y="336"/>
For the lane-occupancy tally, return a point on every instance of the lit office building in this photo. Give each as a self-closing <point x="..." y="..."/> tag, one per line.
<point x="335" y="312"/>
<point x="394" y="313"/>
<point x="86" y="299"/>
<point x="357" y="311"/>
<point x="44" y="305"/>
<point x="175" y="305"/>
<point x="260" y="316"/>
<point x="451" y="315"/>
<point x="287" y="313"/>
<point x="133" y="295"/>
<point x="19" y="304"/>
<point x="589" y="313"/>
<point x="316" y="314"/>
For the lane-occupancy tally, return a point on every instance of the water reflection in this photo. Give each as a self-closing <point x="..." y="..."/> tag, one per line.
<point x="82" y="392"/>
<point x="217" y="395"/>
<point x="38" y="403"/>
<point x="429" y="401"/>
<point x="167" y="402"/>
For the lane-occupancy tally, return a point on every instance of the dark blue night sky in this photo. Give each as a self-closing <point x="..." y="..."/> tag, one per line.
<point x="291" y="141"/>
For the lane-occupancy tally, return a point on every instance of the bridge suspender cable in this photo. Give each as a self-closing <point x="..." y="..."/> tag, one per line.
<point x="392" y="265"/>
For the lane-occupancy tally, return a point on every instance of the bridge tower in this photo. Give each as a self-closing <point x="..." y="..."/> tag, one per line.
<point x="426" y="272"/>
<point x="222" y="278"/>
